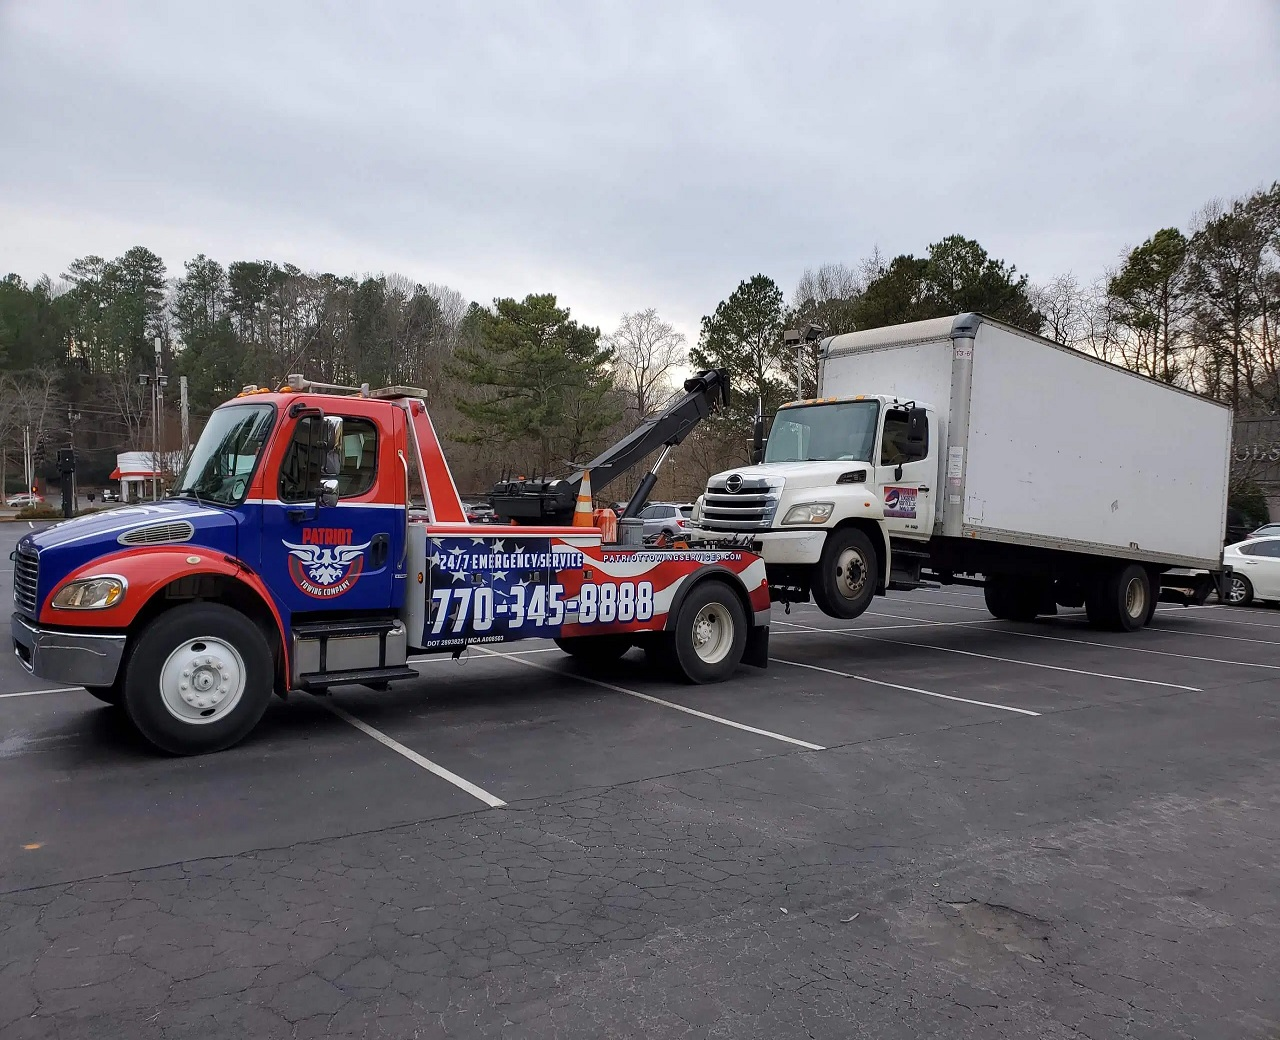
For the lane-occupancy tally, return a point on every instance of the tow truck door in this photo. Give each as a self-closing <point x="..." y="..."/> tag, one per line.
<point x="341" y="557"/>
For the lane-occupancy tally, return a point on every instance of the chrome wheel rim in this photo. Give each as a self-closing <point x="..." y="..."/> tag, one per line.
<point x="851" y="574"/>
<point x="1135" y="598"/>
<point x="202" y="681"/>
<point x="1236" y="593"/>
<point x="712" y="633"/>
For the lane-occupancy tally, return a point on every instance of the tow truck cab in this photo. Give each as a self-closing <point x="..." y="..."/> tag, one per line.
<point x="315" y="540"/>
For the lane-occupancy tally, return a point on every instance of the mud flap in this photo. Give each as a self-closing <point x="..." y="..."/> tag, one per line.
<point x="756" y="652"/>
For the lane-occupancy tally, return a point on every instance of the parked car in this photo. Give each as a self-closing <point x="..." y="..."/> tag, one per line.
<point x="1255" y="566"/>
<point x="1264" y="531"/>
<point x="665" y="518"/>
<point x="481" y="513"/>
<point x="110" y="495"/>
<point x="27" y="498"/>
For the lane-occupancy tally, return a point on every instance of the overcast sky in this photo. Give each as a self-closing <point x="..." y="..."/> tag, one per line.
<point x="624" y="155"/>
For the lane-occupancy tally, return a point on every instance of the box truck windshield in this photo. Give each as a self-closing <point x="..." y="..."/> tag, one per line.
<point x="844" y="431"/>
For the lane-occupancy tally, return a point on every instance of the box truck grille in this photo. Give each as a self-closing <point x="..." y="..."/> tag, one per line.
<point x="750" y="506"/>
<point x="26" y="574"/>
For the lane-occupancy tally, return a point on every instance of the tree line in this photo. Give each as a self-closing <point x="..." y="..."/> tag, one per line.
<point x="522" y="386"/>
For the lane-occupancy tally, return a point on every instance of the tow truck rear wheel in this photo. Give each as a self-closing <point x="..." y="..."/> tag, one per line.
<point x="198" y="679"/>
<point x="595" y="650"/>
<point x="845" y="578"/>
<point x="708" y="638"/>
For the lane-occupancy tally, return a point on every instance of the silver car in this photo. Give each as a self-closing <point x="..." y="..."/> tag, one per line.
<point x="665" y="518"/>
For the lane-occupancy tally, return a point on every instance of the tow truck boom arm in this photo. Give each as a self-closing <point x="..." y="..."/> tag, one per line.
<point x="552" y="501"/>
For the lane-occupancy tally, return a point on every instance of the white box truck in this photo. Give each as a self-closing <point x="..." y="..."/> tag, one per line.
<point x="965" y="450"/>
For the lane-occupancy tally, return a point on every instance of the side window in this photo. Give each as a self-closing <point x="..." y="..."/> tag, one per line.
<point x="1271" y="547"/>
<point x="1249" y="549"/>
<point x="894" y="447"/>
<point x="359" y="452"/>
<point x="649" y="513"/>
<point x="300" y="467"/>
<point x="304" y="458"/>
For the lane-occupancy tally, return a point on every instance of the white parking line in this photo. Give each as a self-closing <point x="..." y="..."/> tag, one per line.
<point x="666" y="704"/>
<point x="856" y="634"/>
<point x="37" y="693"/>
<point x="417" y="759"/>
<point x="1136" y="649"/>
<point x="909" y="689"/>
<point x="1228" y="620"/>
<point x="1214" y="635"/>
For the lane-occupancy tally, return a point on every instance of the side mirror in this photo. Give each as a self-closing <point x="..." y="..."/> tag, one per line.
<point x="328" y="492"/>
<point x="917" y="427"/>
<point x="757" y="439"/>
<point x="331" y="438"/>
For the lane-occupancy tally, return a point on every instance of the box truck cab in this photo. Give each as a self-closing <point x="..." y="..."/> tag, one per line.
<point x="965" y="450"/>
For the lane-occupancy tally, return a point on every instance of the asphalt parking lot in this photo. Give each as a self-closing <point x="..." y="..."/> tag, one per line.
<point x="925" y="823"/>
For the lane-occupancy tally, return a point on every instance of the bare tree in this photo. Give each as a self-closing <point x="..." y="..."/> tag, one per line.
<point x="131" y="402"/>
<point x="34" y="402"/>
<point x="1062" y="302"/>
<point x="646" y="350"/>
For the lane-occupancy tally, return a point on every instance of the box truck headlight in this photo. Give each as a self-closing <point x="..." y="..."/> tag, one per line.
<point x="809" y="513"/>
<point x="91" y="594"/>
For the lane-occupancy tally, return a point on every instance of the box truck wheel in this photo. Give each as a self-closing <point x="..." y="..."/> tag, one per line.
<point x="595" y="650"/>
<point x="198" y="679"/>
<point x="709" y="636"/>
<point x="845" y="578"/>
<point x="1120" y="601"/>
<point x="1012" y="600"/>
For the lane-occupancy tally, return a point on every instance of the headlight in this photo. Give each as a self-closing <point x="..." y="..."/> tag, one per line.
<point x="91" y="594"/>
<point x="809" y="513"/>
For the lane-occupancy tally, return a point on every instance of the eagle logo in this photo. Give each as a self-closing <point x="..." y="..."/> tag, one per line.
<point x="325" y="571"/>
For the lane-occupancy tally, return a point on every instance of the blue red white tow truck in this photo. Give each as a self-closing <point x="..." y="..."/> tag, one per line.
<point x="316" y="539"/>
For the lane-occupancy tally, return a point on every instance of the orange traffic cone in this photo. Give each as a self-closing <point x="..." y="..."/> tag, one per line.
<point x="582" y="511"/>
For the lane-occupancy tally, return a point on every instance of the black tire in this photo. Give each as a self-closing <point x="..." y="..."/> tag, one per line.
<point x="845" y="579"/>
<point x="1011" y="600"/>
<point x="223" y="646"/>
<point x="1239" y="591"/>
<point x="596" y="650"/>
<point x="112" y="695"/>
<point x="1121" y="600"/>
<point x="712" y="655"/>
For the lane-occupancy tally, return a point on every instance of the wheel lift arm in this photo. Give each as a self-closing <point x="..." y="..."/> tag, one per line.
<point x="552" y="501"/>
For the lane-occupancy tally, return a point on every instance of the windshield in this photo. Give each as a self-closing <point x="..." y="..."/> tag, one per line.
<point x="222" y="463"/>
<point x="843" y="431"/>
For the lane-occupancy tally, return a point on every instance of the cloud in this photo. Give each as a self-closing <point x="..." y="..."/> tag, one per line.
<point x="624" y="156"/>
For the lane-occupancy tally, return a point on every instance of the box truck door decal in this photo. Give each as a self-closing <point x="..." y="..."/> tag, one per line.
<point x="900" y="501"/>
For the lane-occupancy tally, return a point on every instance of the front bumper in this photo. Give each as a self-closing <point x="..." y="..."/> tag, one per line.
<point x="790" y="547"/>
<point x="74" y="658"/>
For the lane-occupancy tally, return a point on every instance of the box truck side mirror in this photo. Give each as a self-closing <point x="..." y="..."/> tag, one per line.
<point x="917" y="428"/>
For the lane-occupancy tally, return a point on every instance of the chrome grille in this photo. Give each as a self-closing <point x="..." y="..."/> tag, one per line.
<point x="159" y="534"/>
<point x="750" y="507"/>
<point x="26" y="575"/>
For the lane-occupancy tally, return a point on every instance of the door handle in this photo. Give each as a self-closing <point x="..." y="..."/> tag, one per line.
<point x="923" y="487"/>
<point x="379" y="549"/>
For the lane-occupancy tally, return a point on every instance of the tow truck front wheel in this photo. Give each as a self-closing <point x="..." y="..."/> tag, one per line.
<point x="198" y="679"/>
<point x="708" y="638"/>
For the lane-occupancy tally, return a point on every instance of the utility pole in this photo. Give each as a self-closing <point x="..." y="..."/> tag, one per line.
<point x="186" y="420"/>
<point x="157" y="381"/>
<point x="73" y="417"/>
<point x="28" y="464"/>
